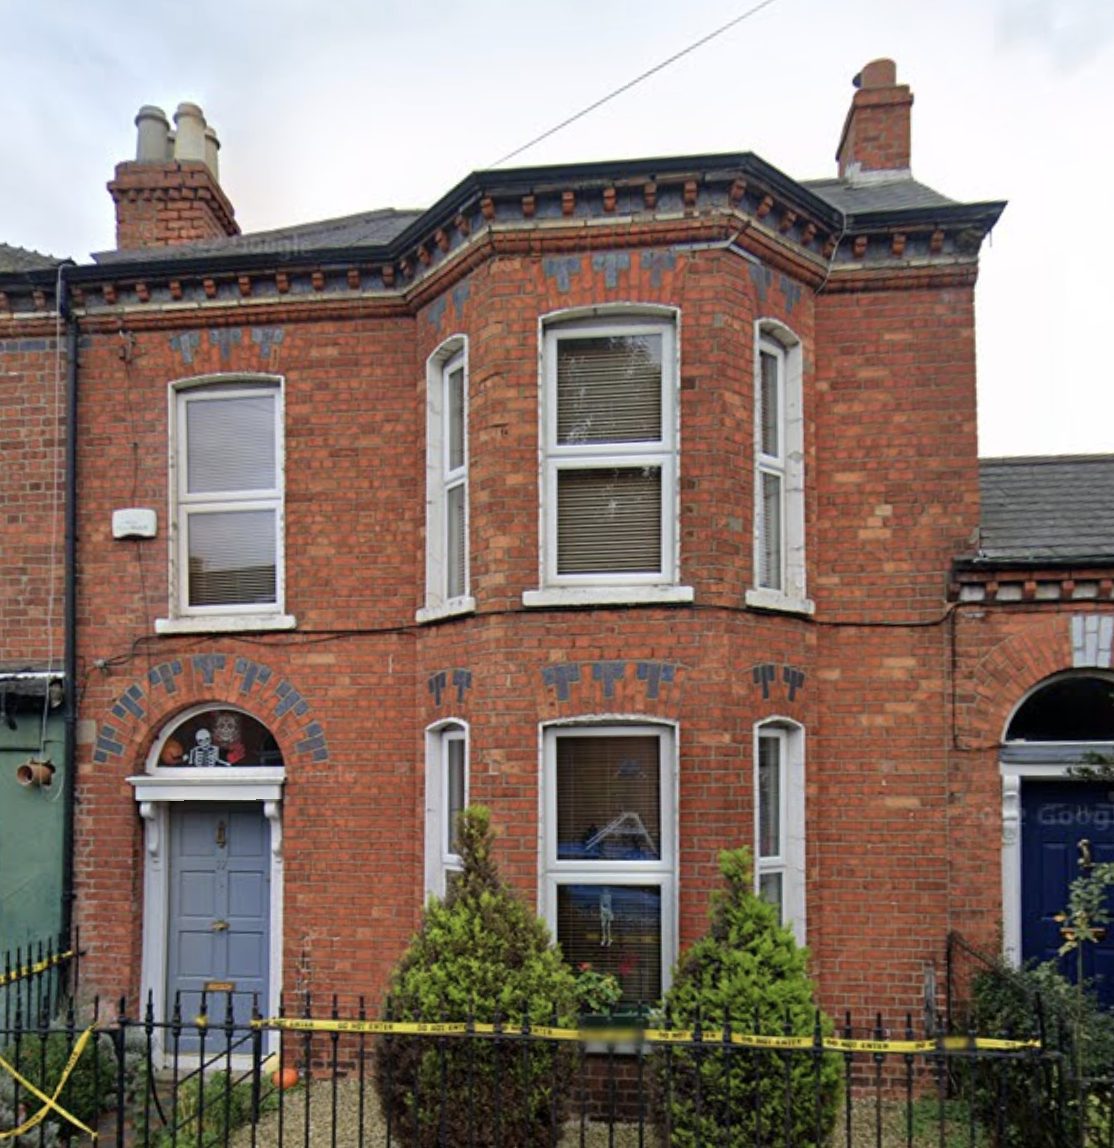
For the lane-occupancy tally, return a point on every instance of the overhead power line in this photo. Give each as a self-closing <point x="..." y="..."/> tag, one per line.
<point x="637" y="80"/>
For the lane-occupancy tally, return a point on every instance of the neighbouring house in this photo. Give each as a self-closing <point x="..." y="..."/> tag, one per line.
<point x="35" y="769"/>
<point x="638" y="500"/>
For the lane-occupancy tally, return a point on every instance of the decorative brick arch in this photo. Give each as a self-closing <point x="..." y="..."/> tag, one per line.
<point x="1008" y="671"/>
<point x="144" y="707"/>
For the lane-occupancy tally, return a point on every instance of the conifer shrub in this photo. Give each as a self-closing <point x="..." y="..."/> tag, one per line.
<point x="749" y="972"/>
<point x="481" y="954"/>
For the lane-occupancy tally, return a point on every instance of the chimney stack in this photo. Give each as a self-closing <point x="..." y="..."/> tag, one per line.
<point x="875" y="144"/>
<point x="171" y="192"/>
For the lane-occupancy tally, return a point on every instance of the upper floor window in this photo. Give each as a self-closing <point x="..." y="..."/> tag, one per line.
<point x="446" y="798"/>
<point x="609" y="521"/>
<point x="447" y="590"/>
<point x="779" y="503"/>
<point x="227" y="506"/>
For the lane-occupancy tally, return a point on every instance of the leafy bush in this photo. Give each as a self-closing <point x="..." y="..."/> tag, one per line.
<point x="204" y="1115"/>
<point x="480" y="954"/>
<point x="747" y="971"/>
<point x="90" y="1088"/>
<point x="1022" y="1003"/>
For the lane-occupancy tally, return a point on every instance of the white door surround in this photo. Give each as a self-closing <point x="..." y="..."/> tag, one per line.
<point x="155" y="793"/>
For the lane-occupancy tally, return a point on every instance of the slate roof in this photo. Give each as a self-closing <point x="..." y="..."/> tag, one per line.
<point x="20" y="259"/>
<point x="1051" y="510"/>
<point x="859" y="199"/>
<point x="367" y="228"/>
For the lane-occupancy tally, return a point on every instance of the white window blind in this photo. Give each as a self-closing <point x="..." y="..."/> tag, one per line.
<point x="229" y="497"/>
<point x="610" y="454"/>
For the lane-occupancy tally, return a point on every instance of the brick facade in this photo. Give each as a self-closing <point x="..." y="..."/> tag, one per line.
<point x="900" y="690"/>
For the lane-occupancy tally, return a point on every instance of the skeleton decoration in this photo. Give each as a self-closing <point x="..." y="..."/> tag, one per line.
<point x="226" y="733"/>
<point x="607" y="915"/>
<point x="205" y="755"/>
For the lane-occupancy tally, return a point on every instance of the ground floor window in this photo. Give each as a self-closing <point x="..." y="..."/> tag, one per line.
<point x="609" y="851"/>
<point x="779" y="820"/>
<point x="446" y="797"/>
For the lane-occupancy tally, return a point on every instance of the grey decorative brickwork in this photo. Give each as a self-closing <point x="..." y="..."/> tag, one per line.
<point x="611" y="263"/>
<point x="763" y="277"/>
<point x="165" y="675"/>
<point x="608" y="673"/>
<point x="207" y="665"/>
<point x="791" y="291"/>
<point x="225" y="338"/>
<point x="561" y="677"/>
<point x="462" y="680"/>
<point x="186" y="344"/>
<point x="564" y="675"/>
<point x="461" y="293"/>
<point x="437" y="311"/>
<point x="765" y="674"/>
<point x="655" y="674"/>
<point x="182" y="679"/>
<point x="561" y="268"/>
<point x="436" y="685"/>
<point x="794" y="679"/>
<point x="656" y="262"/>
<point x="266" y="338"/>
<point x="251" y="672"/>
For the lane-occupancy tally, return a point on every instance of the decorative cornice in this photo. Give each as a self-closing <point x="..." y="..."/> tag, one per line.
<point x="639" y="203"/>
<point x="1031" y="585"/>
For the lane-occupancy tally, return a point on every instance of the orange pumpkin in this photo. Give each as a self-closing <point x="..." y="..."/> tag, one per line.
<point x="172" y="753"/>
<point x="284" y="1078"/>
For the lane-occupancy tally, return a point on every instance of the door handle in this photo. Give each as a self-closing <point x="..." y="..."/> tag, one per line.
<point x="222" y="838"/>
<point x="219" y="926"/>
<point x="1085" y="862"/>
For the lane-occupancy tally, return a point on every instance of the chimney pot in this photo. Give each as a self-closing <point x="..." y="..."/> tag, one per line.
<point x="877" y="74"/>
<point x="189" y="144"/>
<point x="212" y="147"/>
<point x="151" y="137"/>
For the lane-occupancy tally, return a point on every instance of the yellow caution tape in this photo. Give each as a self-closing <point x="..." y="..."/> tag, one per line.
<point x="629" y="1035"/>
<point x="50" y="1103"/>
<point x="25" y="971"/>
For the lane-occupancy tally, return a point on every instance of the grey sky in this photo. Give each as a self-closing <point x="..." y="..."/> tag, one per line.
<point x="325" y="109"/>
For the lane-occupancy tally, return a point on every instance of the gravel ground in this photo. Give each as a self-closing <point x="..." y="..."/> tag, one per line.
<point x="321" y="1131"/>
<point x="926" y="1132"/>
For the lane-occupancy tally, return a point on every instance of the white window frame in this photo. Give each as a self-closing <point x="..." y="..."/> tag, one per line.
<point x="182" y="617"/>
<point x="773" y="337"/>
<point x="661" y="871"/>
<point x="790" y="859"/>
<point x="586" y="589"/>
<point x="440" y="479"/>
<point x="440" y="860"/>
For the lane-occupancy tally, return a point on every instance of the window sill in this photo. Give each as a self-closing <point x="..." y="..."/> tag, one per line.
<point x="607" y="596"/>
<point x="782" y="603"/>
<point x="226" y="624"/>
<point x="453" y="609"/>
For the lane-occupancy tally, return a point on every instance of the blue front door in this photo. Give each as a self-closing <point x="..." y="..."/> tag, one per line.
<point x="1063" y="825"/>
<point x="220" y="902"/>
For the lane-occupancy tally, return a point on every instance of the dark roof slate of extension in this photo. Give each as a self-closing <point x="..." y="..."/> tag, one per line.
<point x="365" y="229"/>
<point x="891" y="195"/>
<point x="1050" y="510"/>
<point x="16" y="259"/>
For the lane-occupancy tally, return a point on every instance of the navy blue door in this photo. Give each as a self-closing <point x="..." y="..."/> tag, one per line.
<point x="219" y="910"/>
<point x="1063" y="823"/>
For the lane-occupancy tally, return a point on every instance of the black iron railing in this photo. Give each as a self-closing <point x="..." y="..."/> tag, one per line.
<point x="204" y="1077"/>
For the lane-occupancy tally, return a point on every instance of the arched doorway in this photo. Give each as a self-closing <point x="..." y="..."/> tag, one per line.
<point x="1058" y="807"/>
<point x="210" y="799"/>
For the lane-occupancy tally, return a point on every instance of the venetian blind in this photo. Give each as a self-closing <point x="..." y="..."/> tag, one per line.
<point x="609" y="520"/>
<point x="232" y="557"/>
<point x="609" y="389"/>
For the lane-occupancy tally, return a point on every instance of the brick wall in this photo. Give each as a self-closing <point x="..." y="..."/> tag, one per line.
<point x="32" y="493"/>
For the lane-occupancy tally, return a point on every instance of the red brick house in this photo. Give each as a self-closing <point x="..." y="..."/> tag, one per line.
<point x="637" y="500"/>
